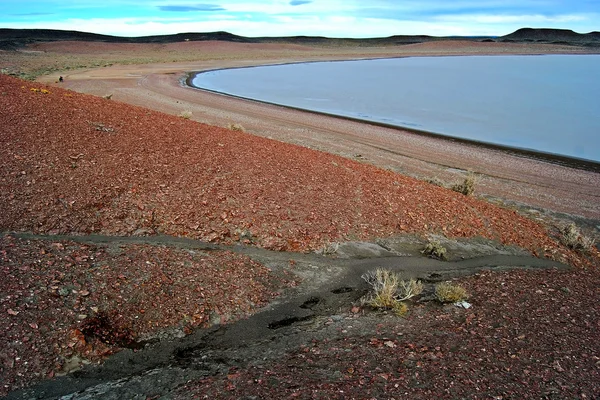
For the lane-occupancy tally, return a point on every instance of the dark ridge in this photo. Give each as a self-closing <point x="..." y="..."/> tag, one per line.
<point x="325" y="41"/>
<point x="12" y="39"/>
<point x="555" y="36"/>
<point x="16" y="38"/>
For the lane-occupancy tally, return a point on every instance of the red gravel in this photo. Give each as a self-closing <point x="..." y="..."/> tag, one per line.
<point x="82" y="164"/>
<point x="529" y="335"/>
<point x="77" y="164"/>
<point x="51" y="291"/>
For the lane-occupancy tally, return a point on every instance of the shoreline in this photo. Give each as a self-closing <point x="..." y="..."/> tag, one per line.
<point x="505" y="177"/>
<point x="553" y="158"/>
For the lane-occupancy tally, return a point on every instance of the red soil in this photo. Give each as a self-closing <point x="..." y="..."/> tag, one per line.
<point x="77" y="164"/>
<point x="82" y="164"/>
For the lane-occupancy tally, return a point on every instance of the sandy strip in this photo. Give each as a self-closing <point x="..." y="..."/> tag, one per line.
<point x="510" y="177"/>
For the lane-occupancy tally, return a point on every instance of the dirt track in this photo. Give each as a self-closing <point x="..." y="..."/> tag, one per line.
<point x="318" y="309"/>
<point x="504" y="176"/>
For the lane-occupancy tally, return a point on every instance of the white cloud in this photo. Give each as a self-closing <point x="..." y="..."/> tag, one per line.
<point x="334" y="18"/>
<point x="509" y="19"/>
<point x="278" y="26"/>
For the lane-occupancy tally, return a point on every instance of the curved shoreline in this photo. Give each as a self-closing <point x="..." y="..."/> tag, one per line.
<point x="559" y="159"/>
<point x="554" y="158"/>
<point x="504" y="177"/>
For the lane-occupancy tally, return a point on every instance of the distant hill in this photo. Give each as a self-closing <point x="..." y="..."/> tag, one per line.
<point x="16" y="38"/>
<point x="556" y="36"/>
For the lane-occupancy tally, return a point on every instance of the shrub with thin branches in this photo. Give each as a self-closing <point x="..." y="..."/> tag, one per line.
<point x="436" y="181"/>
<point x="236" y="127"/>
<point x="389" y="291"/>
<point x="572" y="237"/>
<point x="447" y="292"/>
<point x="467" y="187"/>
<point x="434" y="249"/>
<point x="186" y="114"/>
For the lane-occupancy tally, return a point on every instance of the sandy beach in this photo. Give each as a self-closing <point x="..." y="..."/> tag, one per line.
<point x="503" y="176"/>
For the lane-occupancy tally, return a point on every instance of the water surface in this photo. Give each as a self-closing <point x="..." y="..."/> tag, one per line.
<point x="548" y="104"/>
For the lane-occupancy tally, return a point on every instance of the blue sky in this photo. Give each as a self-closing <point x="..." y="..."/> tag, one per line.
<point x="333" y="18"/>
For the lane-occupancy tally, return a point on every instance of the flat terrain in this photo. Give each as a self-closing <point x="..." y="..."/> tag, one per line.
<point x="227" y="263"/>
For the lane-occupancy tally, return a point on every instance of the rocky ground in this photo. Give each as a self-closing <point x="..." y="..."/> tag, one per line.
<point x="96" y="169"/>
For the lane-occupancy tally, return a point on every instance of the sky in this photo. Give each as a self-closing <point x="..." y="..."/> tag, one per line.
<point x="331" y="18"/>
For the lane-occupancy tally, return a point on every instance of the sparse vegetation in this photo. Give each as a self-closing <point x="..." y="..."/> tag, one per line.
<point x="107" y="96"/>
<point x="434" y="249"/>
<point x="467" y="187"/>
<point x="436" y="181"/>
<point x="329" y="249"/>
<point x="186" y="114"/>
<point x="389" y="291"/>
<point x="99" y="126"/>
<point x="36" y="90"/>
<point x="447" y="292"/>
<point x="572" y="237"/>
<point x="236" y="127"/>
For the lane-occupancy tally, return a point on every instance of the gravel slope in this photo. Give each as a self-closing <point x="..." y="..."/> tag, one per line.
<point x="77" y="164"/>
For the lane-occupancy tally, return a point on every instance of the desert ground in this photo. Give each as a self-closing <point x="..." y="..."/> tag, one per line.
<point x="503" y="176"/>
<point x="152" y="248"/>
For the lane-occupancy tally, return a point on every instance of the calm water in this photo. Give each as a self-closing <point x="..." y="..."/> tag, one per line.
<point x="545" y="103"/>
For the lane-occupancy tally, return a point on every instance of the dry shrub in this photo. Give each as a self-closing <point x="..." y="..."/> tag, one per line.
<point x="447" y="292"/>
<point x="389" y="291"/>
<point x="436" y="181"/>
<point x="236" y="127"/>
<point x="467" y="187"/>
<point x="107" y="96"/>
<point x="329" y="249"/>
<point x="185" y="114"/>
<point x="434" y="249"/>
<point x="572" y="237"/>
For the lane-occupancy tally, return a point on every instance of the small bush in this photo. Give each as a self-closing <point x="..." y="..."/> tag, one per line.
<point x="409" y="288"/>
<point x="572" y="237"/>
<point x="99" y="126"/>
<point x="436" y="181"/>
<point x="447" y="292"/>
<point x="236" y="127"/>
<point x="389" y="291"/>
<point x="186" y="114"/>
<point x="107" y="96"/>
<point x="467" y="187"/>
<point x="329" y="249"/>
<point x="435" y="250"/>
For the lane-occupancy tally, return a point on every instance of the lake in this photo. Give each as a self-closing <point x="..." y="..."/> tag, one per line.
<point x="546" y="103"/>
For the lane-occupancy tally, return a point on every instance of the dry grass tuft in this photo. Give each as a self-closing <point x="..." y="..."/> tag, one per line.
<point x="447" y="292"/>
<point x="436" y="181"/>
<point x="329" y="249"/>
<point x="572" y="237"/>
<point x="186" y="114"/>
<point x="434" y="249"/>
<point x="236" y="128"/>
<point x="389" y="291"/>
<point x="467" y="187"/>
